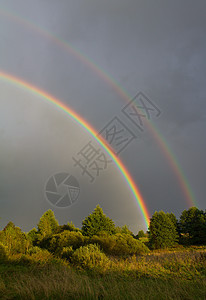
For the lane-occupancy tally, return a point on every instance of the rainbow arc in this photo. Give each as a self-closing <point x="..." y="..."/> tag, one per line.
<point x="56" y="102"/>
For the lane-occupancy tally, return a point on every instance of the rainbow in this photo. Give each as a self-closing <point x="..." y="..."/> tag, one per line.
<point x="136" y="192"/>
<point x="162" y="143"/>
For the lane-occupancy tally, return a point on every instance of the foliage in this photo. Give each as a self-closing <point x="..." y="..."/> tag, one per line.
<point x="97" y="222"/>
<point x="98" y="229"/>
<point x="47" y="224"/>
<point x="193" y="226"/>
<point x="123" y="229"/>
<point x="173" y="219"/>
<point x="67" y="252"/>
<point x="66" y="239"/>
<point x="69" y="226"/>
<point x="37" y="255"/>
<point x="119" y="244"/>
<point x="3" y="253"/>
<point x="141" y="234"/>
<point x="14" y="239"/>
<point x="175" y="222"/>
<point x="32" y="235"/>
<point x="89" y="257"/>
<point x="34" y="250"/>
<point x="162" y="231"/>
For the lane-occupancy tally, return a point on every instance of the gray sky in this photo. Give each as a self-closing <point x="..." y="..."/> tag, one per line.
<point x="156" y="47"/>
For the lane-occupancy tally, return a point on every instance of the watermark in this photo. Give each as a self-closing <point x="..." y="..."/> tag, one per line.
<point x="91" y="161"/>
<point x="139" y="109"/>
<point x="117" y="135"/>
<point x="62" y="190"/>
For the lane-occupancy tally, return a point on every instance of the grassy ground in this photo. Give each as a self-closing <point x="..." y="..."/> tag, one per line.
<point x="160" y="275"/>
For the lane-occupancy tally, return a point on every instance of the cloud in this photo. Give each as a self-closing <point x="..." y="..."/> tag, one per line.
<point x="155" y="47"/>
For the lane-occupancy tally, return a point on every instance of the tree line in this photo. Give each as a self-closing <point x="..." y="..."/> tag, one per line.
<point x="98" y="230"/>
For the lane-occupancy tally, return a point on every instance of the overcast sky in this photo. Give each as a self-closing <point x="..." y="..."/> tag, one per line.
<point x="154" y="47"/>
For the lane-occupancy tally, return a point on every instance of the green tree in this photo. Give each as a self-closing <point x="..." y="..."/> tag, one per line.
<point x="126" y="230"/>
<point x="33" y="236"/>
<point x="176" y="223"/>
<point x="97" y="222"/>
<point x="47" y="224"/>
<point x="123" y="229"/>
<point x="3" y="254"/>
<point x="193" y="226"/>
<point x="162" y="231"/>
<point x="141" y="234"/>
<point x="14" y="239"/>
<point x="173" y="219"/>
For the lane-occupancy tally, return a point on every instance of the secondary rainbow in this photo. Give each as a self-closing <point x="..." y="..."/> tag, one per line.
<point x="136" y="192"/>
<point x="163" y="144"/>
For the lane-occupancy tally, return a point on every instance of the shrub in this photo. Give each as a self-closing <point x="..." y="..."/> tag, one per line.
<point x="69" y="226"/>
<point x="119" y="244"/>
<point x="125" y="244"/>
<point x="105" y="241"/>
<point x="37" y="254"/>
<point x="89" y="257"/>
<point x="66" y="239"/>
<point x="34" y="250"/>
<point x="3" y="253"/>
<point x="67" y="252"/>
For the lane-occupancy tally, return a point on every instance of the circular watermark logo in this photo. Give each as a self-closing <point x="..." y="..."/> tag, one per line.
<point x="62" y="190"/>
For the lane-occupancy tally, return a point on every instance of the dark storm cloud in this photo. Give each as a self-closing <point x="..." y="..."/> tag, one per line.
<point x="154" y="46"/>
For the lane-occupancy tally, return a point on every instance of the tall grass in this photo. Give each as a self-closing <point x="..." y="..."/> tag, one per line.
<point x="175" y="275"/>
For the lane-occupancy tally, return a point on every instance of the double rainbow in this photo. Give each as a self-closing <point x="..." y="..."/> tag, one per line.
<point x="163" y="144"/>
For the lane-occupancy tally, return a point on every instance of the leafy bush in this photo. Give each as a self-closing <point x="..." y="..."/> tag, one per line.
<point x="125" y="244"/>
<point x="67" y="252"/>
<point x="119" y="244"/>
<point x="36" y="254"/>
<point x="89" y="257"/>
<point x="66" y="239"/>
<point x="34" y="250"/>
<point x="69" y="226"/>
<point x="3" y="253"/>
<point x="105" y="241"/>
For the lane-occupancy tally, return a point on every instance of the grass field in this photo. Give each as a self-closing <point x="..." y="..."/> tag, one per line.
<point x="179" y="274"/>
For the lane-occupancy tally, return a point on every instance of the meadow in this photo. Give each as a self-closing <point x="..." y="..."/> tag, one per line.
<point x="167" y="274"/>
<point x="103" y="261"/>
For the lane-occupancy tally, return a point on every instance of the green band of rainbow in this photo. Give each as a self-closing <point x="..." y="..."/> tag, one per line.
<point x="20" y="83"/>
